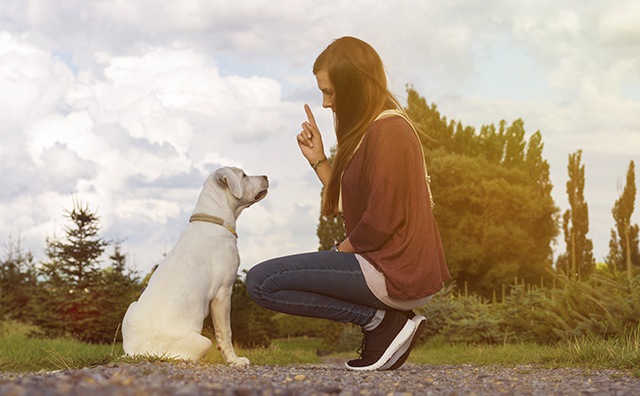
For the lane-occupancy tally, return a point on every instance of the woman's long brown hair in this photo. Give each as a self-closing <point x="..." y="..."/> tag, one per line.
<point x="360" y="82"/>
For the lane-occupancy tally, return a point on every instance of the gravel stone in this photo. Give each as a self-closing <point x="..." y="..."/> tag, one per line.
<point x="157" y="378"/>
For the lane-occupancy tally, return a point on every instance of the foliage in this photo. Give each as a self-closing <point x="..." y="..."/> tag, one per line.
<point x="578" y="260"/>
<point x="624" y="254"/>
<point x="18" y="279"/>
<point x="494" y="208"/>
<point x="70" y="276"/>
<point x="491" y="229"/>
<point x="251" y="325"/>
<point x="442" y="307"/>
<point x="340" y="337"/>
<point x="473" y="323"/>
<point x="69" y="294"/>
<point x="604" y="306"/>
<point x="287" y="326"/>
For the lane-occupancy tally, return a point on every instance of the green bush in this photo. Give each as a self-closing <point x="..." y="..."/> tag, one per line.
<point x="287" y="326"/>
<point x="605" y="306"/>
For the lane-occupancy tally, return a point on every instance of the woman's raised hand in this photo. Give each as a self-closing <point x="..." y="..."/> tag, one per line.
<point x="310" y="139"/>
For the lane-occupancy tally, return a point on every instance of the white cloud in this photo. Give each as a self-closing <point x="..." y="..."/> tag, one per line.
<point x="129" y="105"/>
<point x="138" y="138"/>
<point x="32" y="81"/>
<point x="619" y="24"/>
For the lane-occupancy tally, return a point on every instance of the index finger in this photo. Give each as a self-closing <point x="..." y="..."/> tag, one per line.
<point x="307" y="110"/>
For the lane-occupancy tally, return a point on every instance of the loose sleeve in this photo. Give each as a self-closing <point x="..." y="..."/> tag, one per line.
<point x="389" y="152"/>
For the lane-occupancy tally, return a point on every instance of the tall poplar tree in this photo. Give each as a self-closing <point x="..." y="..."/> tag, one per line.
<point x="623" y="254"/>
<point x="579" y="262"/>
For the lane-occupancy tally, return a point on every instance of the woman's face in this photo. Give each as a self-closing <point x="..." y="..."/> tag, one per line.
<point x="327" y="89"/>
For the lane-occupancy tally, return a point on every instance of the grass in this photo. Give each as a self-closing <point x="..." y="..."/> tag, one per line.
<point x="282" y="352"/>
<point x="21" y="353"/>
<point x="33" y="354"/>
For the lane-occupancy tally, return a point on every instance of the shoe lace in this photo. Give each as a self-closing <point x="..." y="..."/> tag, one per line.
<point x="363" y="344"/>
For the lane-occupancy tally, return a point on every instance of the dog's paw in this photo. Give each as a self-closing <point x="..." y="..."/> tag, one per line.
<point x="239" y="361"/>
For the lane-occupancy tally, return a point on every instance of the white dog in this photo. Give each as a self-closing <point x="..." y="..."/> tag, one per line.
<point x="196" y="276"/>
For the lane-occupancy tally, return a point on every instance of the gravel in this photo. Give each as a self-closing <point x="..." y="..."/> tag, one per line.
<point x="158" y="378"/>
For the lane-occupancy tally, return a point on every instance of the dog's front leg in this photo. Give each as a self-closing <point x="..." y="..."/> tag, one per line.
<point x="221" y="315"/>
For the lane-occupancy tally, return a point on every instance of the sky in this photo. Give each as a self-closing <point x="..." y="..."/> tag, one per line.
<point x="128" y="106"/>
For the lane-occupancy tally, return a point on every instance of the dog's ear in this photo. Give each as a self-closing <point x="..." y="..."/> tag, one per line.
<point x="225" y="177"/>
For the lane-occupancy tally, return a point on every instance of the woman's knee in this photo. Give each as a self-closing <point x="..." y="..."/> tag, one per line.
<point x="253" y="282"/>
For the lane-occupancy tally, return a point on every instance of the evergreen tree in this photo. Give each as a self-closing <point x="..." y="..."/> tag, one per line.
<point x="251" y="325"/>
<point x="117" y="288"/>
<point x="624" y="248"/>
<point x="75" y="260"/>
<point x="17" y="282"/>
<point x="579" y="255"/>
<point x="68" y="300"/>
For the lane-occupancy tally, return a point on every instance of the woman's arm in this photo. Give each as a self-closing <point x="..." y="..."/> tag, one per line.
<point x="345" y="247"/>
<point x="391" y="173"/>
<point x="323" y="170"/>
<point x="311" y="146"/>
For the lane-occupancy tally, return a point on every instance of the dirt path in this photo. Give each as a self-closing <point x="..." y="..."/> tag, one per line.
<point x="327" y="379"/>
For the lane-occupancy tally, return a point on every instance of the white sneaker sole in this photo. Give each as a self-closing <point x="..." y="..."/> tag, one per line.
<point x="417" y="320"/>
<point x="407" y="331"/>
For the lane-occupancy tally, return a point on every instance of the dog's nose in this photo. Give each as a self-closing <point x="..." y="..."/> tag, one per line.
<point x="265" y="177"/>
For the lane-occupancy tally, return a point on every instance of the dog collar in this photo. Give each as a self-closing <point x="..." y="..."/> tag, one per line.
<point x="212" y="219"/>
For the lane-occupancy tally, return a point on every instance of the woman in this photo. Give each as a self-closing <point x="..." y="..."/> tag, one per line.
<point x="392" y="259"/>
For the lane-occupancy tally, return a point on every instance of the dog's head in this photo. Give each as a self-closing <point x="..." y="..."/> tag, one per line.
<point x="241" y="190"/>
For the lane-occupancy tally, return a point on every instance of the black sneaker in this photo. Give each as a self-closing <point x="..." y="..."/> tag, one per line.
<point x="379" y="344"/>
<point x="401" y="355"/>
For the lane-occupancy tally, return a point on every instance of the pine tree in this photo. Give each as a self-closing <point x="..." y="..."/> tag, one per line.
<point x="17" y="282"/>
<point x="627" y="234"/>
<point x="117" y="288"/>
<point x="579" y="253"/>
<point x="75" y="260"/>
<point x="68" y="302"/>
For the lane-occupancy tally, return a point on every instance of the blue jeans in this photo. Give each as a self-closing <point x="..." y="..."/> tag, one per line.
<point x="324" y="284"/>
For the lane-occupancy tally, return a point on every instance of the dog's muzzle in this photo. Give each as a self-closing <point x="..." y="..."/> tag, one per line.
<point x="260" y="195"/>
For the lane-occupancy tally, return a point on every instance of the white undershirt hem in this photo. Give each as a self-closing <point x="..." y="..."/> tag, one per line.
<point x="378" y="286"/>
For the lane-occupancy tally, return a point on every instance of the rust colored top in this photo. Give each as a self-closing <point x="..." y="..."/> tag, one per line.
<point x="387" y="211"/>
